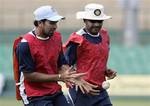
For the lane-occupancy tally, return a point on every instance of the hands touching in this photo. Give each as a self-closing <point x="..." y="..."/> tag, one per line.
<point x="70" y="77"/>
<point x="86" y="87"/>
<point x="68" y="74"/>
<point x="89" y="88"/>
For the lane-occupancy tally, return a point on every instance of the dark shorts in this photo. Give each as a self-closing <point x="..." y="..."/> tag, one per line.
<point x="77" y="98"/>
<point x="57" y="99"/>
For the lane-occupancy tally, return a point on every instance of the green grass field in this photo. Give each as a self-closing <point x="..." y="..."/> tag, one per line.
<point x="9" y="101"/>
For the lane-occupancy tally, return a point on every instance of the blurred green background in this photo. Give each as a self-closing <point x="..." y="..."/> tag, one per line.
<point x="129" y="61"/>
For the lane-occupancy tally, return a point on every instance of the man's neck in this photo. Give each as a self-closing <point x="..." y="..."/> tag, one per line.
<point x="91" y="34"/>
<point x="39" y="35"/>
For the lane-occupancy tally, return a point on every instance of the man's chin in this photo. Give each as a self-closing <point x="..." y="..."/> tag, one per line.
<point x="95" y="32"/>
<point x="51" y="34"/>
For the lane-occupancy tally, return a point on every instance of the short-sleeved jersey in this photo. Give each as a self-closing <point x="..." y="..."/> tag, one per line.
<point x="26" y="63"/>
<point x="90" y="54"/>
<point x="44" y="56"/>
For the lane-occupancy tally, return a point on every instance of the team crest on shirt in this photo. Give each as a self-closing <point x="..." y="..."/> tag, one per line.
<point x="97" y="12"/>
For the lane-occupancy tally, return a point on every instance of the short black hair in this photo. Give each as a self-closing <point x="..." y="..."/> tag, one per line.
<point x="36" y="23"/>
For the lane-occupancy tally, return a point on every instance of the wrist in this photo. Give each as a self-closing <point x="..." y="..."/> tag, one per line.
<point x="59" y="77"/>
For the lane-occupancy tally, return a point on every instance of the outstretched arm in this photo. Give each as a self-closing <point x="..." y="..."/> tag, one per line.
<point x="65" y="76"/>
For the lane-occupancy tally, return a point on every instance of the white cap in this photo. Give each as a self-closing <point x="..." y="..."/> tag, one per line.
<point x="47" y="12"/>
<point x="93" y="12"/>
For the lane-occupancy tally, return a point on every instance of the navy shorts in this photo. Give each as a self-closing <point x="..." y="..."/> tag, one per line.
<point x="77" y="98"/>
<point x="57" y="99"/>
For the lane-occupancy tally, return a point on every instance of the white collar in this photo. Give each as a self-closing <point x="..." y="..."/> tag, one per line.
<point x="41" y="38"/>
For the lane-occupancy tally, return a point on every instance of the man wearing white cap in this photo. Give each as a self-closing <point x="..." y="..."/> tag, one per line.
<point x="88" y="50"/>
<point x="42" y="63"/>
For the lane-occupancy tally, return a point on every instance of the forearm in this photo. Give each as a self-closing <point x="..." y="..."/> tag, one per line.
<point x="41" y="77"/>
<point x="66" y="74"/>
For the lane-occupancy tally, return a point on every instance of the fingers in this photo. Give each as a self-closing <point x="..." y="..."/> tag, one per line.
<point x="110" y="74"/>
<point x="70" y="77"/>
<point x="69" y="84"/>
<point x="87" y="88"/>
<point x="82" y="89"/>
<point x="113" y="75"/>
<point x="71" y="68"/>
<point x="78" y="75"/>
<point x="93" y="93"/>
<point x="72" y="72"/>
<point x="89" y="84"/>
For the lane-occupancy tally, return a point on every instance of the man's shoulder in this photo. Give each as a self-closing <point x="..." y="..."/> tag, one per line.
<point x="80" y="32"/>
<point x="23" y="45"/>
<point x="28" y="37"/>
<point x="104" y="30"/>
<point x="24" y="42"/>
<point x="57" y="35"/>
<point x="29" y="34"/>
